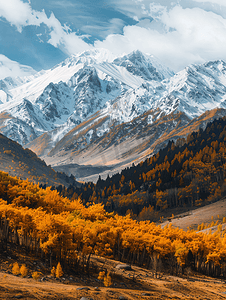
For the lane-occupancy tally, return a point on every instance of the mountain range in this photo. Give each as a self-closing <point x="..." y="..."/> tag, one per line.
<point x="95" y="113"/>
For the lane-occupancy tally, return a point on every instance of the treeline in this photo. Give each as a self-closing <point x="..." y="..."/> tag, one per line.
<point x="190" y="172"/>
<point x="58" y="229"/>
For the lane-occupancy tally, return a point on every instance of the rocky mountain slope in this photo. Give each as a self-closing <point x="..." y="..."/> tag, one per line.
<point x="92" y="102"/>
<point x="123" y="145"/>
<point x="61" y="98"/>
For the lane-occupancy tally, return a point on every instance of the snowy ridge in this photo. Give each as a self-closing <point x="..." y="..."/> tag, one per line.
<point x="97" y="89"/>
<point x="120" y="74"/>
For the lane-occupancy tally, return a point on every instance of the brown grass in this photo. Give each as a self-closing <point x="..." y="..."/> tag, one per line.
<point x="195" y="217"/>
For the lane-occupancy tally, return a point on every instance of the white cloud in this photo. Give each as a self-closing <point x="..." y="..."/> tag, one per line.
<point x="18" y="13"/>
<point x="132" y="8"/>
<point x="114" y="26"/>
<point x="21" y="14"/>
<point x="192" y="32"/>
<point x="63" y="38"/>
<point x="11" y="68"/>
<point x="186" y="36"/>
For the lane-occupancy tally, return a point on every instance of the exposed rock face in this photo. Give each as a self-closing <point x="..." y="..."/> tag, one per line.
<point x="68" y="94"/>
<point x="94" y="103"/>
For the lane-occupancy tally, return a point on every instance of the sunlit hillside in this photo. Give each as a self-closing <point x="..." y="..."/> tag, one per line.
<point x="23" y="163"/>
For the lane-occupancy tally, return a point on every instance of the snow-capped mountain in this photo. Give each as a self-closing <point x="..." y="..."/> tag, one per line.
<point x="194" y="90"/>
<point x="91" y="94"/>
<point x="66" y="95"/>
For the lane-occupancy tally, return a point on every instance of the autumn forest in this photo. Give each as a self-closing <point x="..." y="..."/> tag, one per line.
<point x="115" y="217"/>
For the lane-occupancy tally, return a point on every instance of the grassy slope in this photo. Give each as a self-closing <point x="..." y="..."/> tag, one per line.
<point x="193" y="218"/>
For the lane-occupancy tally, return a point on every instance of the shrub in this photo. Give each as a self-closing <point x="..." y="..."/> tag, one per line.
<point x="107" y="280"/>
<point x="101" y="275"/>
<point x="16" y="269"/>
<point x="23" y="271"/>
<point x="36" y="275"/>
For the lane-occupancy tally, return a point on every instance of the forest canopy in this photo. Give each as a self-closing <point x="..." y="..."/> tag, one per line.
<point x="54" y="227"/>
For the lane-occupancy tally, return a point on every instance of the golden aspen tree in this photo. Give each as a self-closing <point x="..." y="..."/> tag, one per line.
<point x="23" y="271"/>
<point x="16" y="269"/>
<point x="107" y="280"/>
<point x="36" y="275"/>
<point x="59" y="271"/>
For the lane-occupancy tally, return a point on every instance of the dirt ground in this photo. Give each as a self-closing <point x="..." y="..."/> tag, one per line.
<point x="168" y="287"/>
<point x="137" y="283"/>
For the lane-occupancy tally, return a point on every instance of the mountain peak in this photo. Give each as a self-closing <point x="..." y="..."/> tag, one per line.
<point x="98" y="55"/>
<point x="88" y="57"/>
<point x="88" y="85"/>
<point x="219" y="65"/>
<point x="144" y="65"/>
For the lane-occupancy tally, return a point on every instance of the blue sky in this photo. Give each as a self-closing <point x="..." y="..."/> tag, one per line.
<point x="42" y="33"/>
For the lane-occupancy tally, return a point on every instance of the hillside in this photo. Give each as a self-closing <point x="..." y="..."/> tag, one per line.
<point x="185" y="174"/>
<point x="87" y="157"/>
<point x="39" y="228"/>
<point x="23" y="163"/>
<point x="214" y="212"/>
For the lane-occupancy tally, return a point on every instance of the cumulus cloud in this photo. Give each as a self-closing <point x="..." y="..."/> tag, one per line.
<point x="64" y="38"/>
<point x="179" y="33"/>
<point x="177" y="36"/>
<point x="10" y="68"/>
<point x="21" y="14"/>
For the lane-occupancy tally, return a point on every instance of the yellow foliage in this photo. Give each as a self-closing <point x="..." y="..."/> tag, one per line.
<point x="74" y="231"/>
<point x="101" y="275"/>
<point x="16" y="269"/>
<point x="36" y="275"/>
<point x="23" y="271"/>
<point x="107" y="280"/>
<point x="53" y="271"/>
<point x="59" y="271"/>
